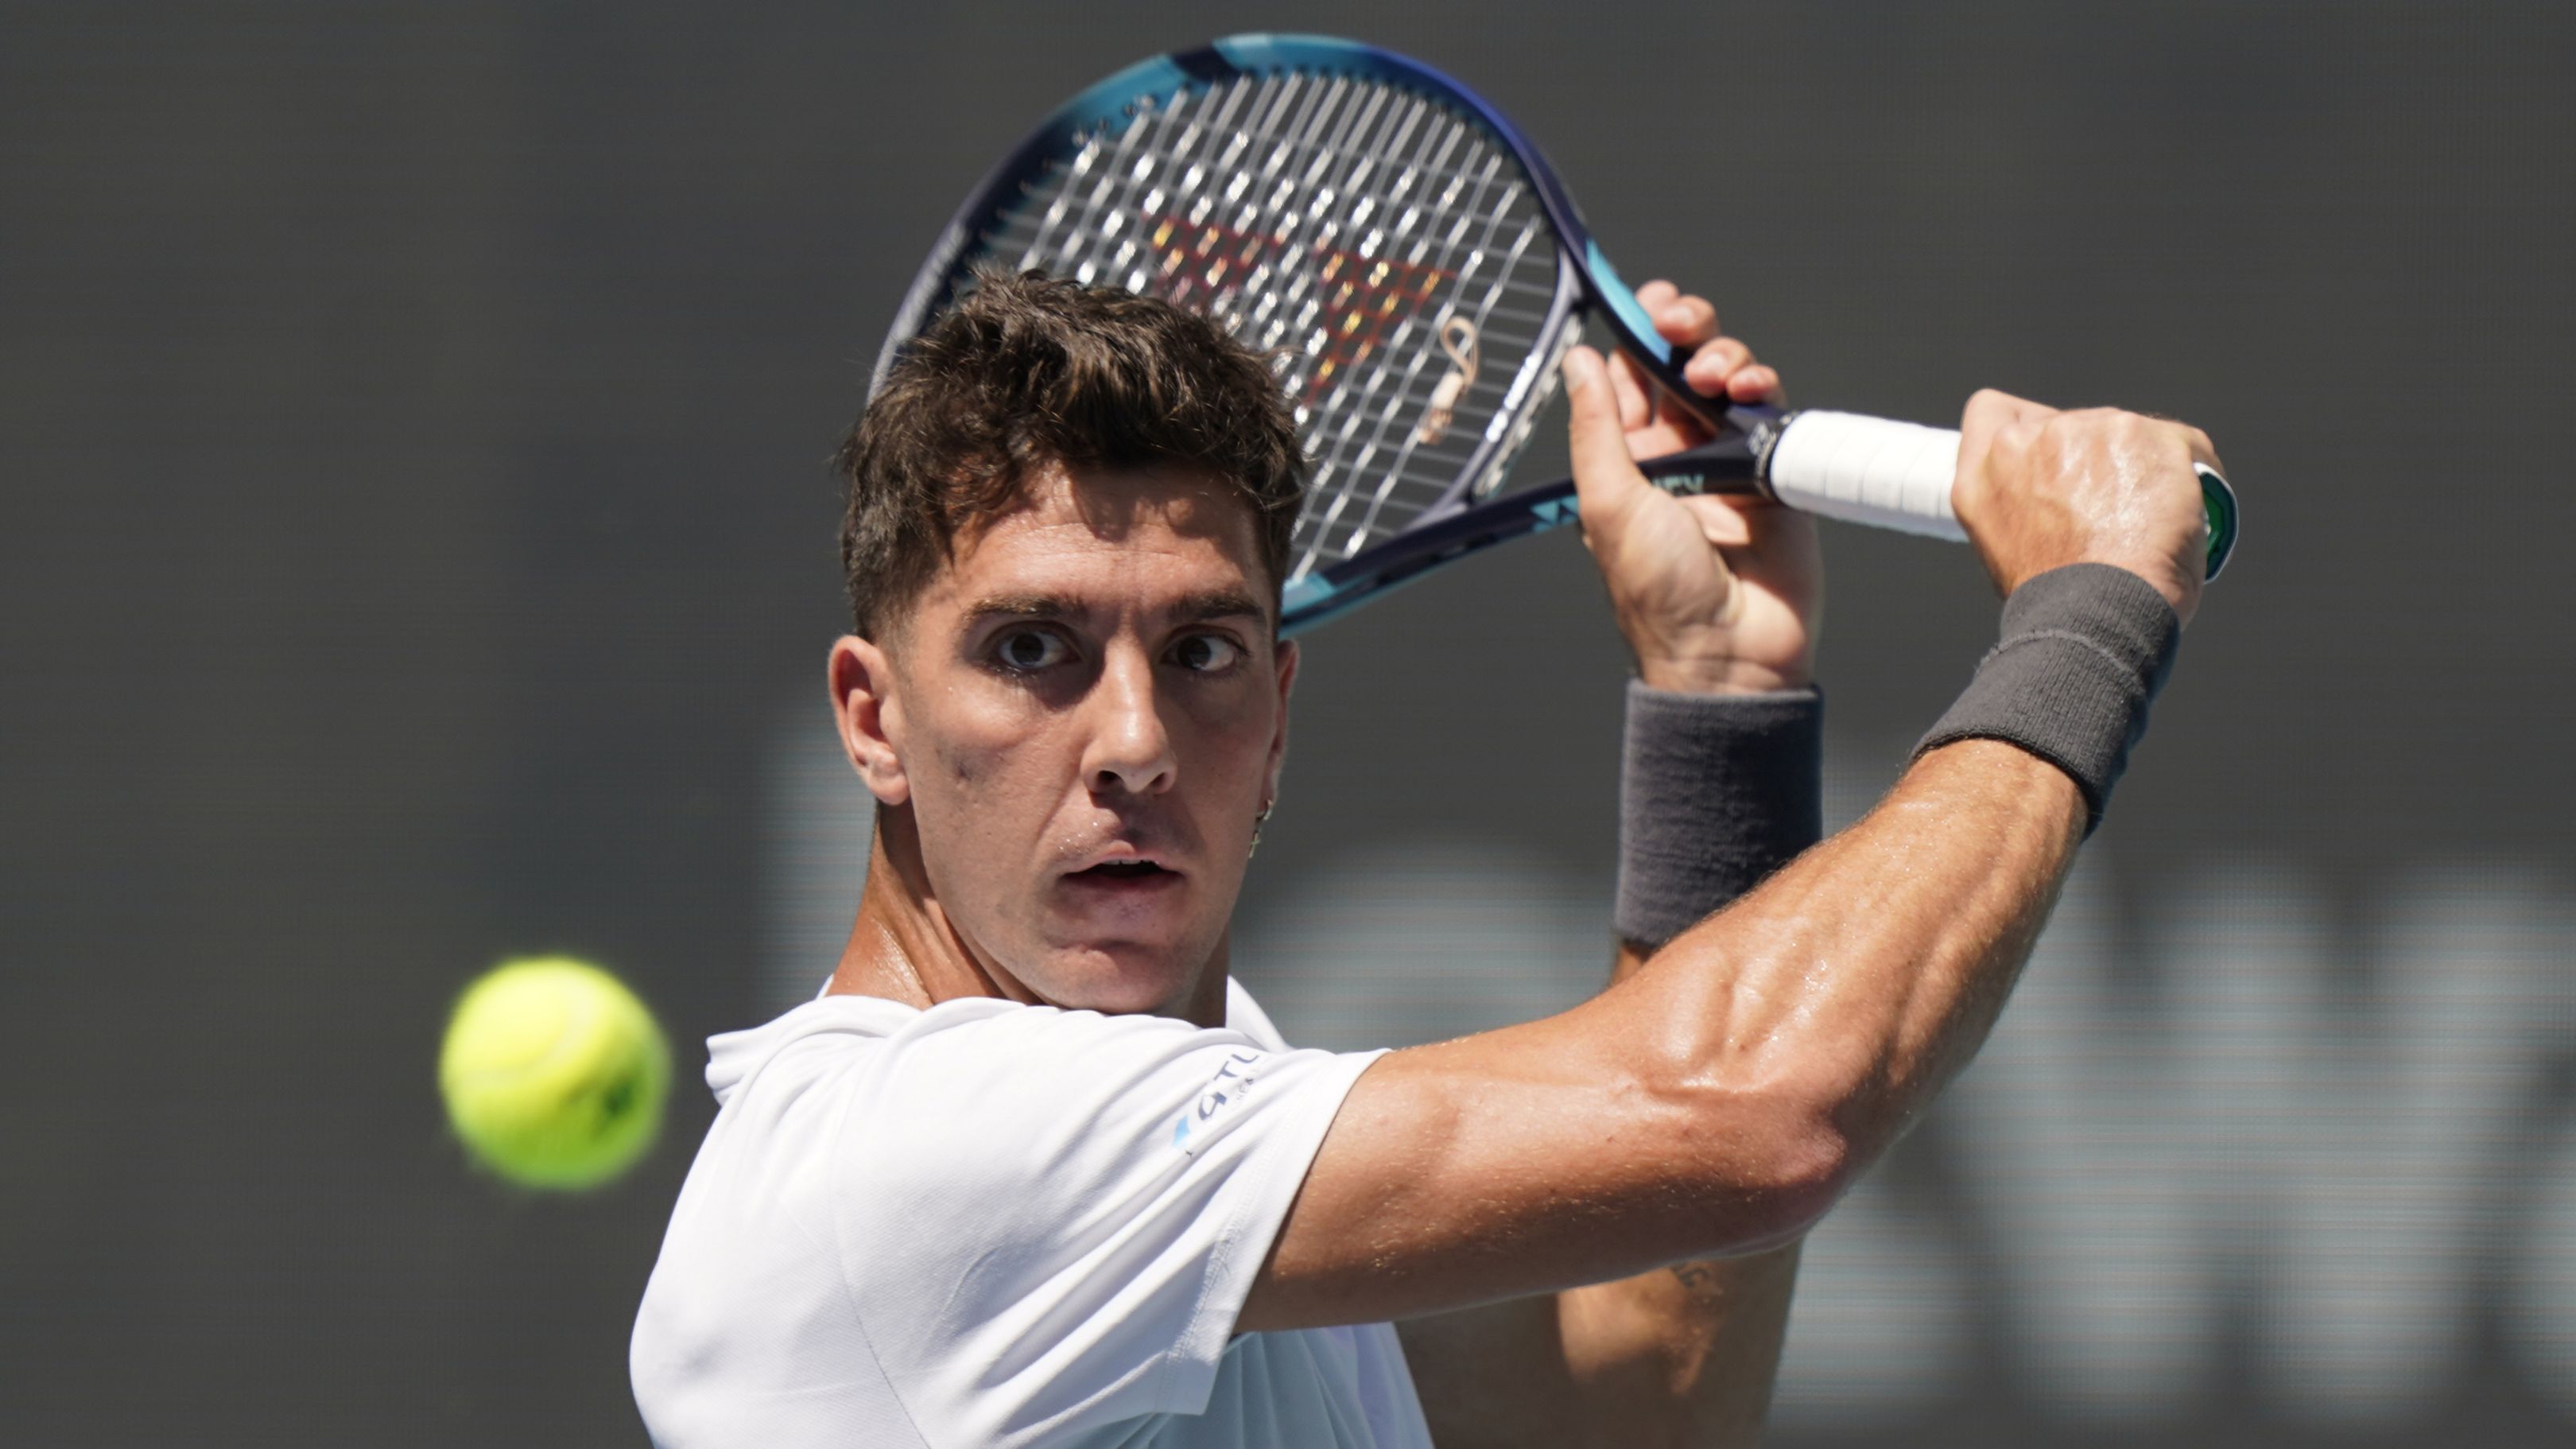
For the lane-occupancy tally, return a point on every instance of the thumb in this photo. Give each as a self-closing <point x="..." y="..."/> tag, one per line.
<point x="1606" y="480"/>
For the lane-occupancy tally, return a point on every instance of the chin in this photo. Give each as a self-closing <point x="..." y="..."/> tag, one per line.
<point x="1118" y="979"/>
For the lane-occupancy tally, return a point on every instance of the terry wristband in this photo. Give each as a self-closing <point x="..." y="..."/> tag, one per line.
<point x="2084" y="650"/>
<point x="1716" y="791"/>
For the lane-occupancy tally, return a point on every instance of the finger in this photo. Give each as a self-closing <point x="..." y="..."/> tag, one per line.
<point x="1680" y="318"/>
<point x="1714" y="363"/>
<point x="1686" y="321"/>
<point x="1990" y="412"/>
<point x="1636" y="394"/>
<point x="1989" y="416"/>
<point x="1605" y="480"/>
<point x="1756" y="383"/>
<point x="2203" y="450"/>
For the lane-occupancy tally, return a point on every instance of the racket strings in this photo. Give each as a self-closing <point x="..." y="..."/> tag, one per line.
<point x="1345" y="454"/>
<point x="1343" y="225"/>
<point x="1453" y="151"/>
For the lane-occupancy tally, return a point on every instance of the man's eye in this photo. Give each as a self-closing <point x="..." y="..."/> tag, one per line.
<point x="1205" y="653"/>
<point x="1031" y="649"/>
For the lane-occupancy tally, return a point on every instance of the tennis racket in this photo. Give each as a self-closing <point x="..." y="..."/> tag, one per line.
<point x="1418" y="273"/>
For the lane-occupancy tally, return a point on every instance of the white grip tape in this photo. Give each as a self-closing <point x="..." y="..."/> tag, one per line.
<point x="1869" y="470"/>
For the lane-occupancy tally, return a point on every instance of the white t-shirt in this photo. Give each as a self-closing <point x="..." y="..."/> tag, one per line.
<point x="995" y="1224"/>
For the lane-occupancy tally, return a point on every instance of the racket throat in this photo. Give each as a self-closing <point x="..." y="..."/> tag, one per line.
<point x="1733" y="462"/>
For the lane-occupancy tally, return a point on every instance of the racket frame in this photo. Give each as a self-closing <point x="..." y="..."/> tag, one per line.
<point x="1734" y="460"/>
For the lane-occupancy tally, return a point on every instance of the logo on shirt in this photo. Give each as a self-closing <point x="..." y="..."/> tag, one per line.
<point x="1231" y="1083"/>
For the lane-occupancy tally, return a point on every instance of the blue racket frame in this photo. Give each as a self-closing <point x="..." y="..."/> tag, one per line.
<point x="1732" y="461"/>
<point x="1456" y="526"/>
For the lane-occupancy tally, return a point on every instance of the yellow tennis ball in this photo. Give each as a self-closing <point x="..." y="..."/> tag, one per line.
<point x="554" y="1073"/>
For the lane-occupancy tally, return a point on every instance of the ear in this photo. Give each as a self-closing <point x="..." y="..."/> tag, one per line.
<point x="869" y="717"/>
<point x="1287" y="664"/>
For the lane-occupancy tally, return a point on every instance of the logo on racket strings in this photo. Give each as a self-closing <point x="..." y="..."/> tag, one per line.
<point x="1338" y="307"/>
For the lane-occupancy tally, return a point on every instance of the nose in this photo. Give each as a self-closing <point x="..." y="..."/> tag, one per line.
<point x="1129" y="749"/>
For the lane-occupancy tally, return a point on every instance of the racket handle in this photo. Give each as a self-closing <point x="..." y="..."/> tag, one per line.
<point x="1898" y="475"/>
<point x="1868" y="470"/>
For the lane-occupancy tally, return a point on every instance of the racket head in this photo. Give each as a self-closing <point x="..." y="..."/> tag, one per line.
<point x="1408" y="258"/>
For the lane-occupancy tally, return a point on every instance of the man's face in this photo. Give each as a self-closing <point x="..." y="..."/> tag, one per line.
<point x="1086" y="714"/>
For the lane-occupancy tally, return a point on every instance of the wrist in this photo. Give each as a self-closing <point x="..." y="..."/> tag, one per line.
<point x="2157" y="572"/>
<point x="1722" y="675"/>
<point x="2084" y="651"/>
<point x="1714" y="794"/>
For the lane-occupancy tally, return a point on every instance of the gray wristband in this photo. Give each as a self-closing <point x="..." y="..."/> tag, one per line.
<point x="1715" y="792"/>
<point x="2084" y="650"/>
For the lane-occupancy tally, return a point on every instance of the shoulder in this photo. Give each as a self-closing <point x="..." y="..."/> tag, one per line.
<point x="972" y="1095"/>
<point x="1051" y="1218"/>
<point x="1040" y="1218"/>
<point x="1029" y="1129"/>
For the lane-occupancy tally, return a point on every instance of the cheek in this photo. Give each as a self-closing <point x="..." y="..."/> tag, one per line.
<point x="988" y="752"/>
<point x="1228" y="741"/>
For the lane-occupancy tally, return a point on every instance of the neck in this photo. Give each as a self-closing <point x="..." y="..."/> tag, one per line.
<point x="905" y="948"/>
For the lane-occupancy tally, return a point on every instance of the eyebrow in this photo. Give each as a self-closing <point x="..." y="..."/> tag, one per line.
<point x="1191" y="608"/>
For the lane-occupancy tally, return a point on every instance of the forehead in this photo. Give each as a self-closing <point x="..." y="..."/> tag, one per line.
<point x="1138" y="536"/>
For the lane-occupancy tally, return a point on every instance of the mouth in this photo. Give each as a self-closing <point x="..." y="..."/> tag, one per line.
<point x="1124" y="875"/>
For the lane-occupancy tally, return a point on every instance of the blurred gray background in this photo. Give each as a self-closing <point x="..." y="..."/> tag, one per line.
<point x="417" y="549"/>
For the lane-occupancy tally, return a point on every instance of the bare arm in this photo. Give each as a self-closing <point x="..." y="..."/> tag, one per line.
<point x="1714" y="1103"/>
<point x="1717" y="1101"/>
<point x="1683" y="1355"/>
<point x="1679" y="1356"/>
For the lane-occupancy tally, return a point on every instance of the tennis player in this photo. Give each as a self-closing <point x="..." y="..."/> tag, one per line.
<point x="1034" y="1170"/>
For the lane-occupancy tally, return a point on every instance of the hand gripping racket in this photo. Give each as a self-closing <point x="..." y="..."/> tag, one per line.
<point x="1418" y="272"/>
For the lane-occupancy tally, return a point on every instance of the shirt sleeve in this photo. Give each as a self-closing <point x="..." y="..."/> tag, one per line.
<point x="1049" y="1220"/>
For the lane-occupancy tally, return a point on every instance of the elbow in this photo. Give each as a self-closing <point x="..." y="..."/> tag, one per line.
<point x="1803" y="1166"/>
<point x="1772" y="1155"/>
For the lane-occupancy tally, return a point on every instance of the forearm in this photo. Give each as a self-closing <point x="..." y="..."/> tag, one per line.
<point x="1863" y="977"/>
<point x="1682" y="1356"/>
<point x="1719" y="1100"/>
<point x="1685" y="1355"/>
<point x="1857" y="981"/>
<point x="1717" y="793"/>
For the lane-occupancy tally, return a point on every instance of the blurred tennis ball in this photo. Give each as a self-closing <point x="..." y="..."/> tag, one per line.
<point x="554" y="1073"/>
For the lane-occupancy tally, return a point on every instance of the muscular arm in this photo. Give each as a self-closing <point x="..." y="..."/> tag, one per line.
<point x="1680" y="1356"/>
<point x="1684" y="1355"/>
<point x="1719" y="787"/>
<point x="1715" y="794"/>
<point x="1716" y="1101"/>
<point x="1713" y="1103"/>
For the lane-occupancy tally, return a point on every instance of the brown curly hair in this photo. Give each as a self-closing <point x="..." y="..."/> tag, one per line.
<point x="1027" y="372"/>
